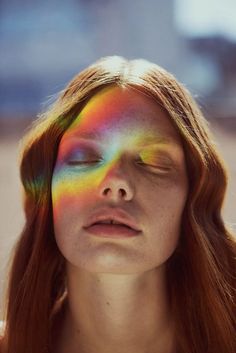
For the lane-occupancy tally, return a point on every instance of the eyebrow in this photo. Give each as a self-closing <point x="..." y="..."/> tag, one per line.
<point x="148" y="139"/>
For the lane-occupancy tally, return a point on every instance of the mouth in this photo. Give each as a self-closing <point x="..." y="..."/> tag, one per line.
<point x="112" y="223"/>
<point x="112" y="229"/>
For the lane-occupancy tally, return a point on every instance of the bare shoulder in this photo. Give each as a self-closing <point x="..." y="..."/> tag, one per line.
<point x="2" y="327"/>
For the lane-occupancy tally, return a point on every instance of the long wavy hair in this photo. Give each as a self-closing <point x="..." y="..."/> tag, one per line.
<point x="200" y="273"/>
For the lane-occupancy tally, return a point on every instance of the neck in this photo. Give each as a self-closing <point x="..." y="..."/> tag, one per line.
<point x="119" y="313"/>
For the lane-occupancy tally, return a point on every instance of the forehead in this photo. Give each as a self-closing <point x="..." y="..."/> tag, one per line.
<point x="123" y="111"/>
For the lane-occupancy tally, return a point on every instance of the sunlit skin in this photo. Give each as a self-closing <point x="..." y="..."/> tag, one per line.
<point x="117" y="296"/>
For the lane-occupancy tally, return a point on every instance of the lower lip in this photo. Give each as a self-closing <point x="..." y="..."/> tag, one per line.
<point x="112" y="231"/>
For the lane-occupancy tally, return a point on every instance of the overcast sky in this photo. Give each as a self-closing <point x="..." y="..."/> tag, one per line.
<point x="201" y="17"/>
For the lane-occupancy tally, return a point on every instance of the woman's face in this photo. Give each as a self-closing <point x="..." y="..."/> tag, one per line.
<point x="121" y="153"/>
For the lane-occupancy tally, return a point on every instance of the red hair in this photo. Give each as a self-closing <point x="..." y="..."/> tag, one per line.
<point x="200" y="273"/>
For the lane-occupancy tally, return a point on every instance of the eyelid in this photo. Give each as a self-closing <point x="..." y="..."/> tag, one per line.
<point x="74" y="150"/>
<point x="156" y="166"/>
<point x="74" y="158"/>
<point x="73" y="146"/>
<point x="159" y="155"/>
<point x="83" y="162"/>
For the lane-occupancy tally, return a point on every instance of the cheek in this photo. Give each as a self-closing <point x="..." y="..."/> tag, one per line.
<point x="164" y="228"/>
<point x="165" y="203"/>
<point x="70" y="195"/>
<point x="168" y="193"/>
<point x="69" y="191"/>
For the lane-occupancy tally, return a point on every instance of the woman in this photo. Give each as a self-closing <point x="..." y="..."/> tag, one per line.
<point x="124" y="248"/>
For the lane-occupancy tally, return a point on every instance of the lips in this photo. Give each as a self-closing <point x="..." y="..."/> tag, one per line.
<point x="112" y="230"/>
<point x="111" y="223"/>
<point x="112" y="217"/>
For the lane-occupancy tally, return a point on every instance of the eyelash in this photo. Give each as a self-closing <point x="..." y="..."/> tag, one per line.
<point x="78" y="163"/>
<point x="163" y="168"/>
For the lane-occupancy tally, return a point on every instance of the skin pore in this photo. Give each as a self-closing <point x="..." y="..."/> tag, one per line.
<point x="117" y="292"/>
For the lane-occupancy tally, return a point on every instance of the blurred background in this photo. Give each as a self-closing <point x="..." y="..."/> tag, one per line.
<point x="44" y="44"/>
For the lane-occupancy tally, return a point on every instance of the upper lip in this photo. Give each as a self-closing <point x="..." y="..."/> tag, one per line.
<point x="117" y="215"/>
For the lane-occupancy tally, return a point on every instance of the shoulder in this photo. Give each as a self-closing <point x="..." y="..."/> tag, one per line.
<point x="2" y="327"/>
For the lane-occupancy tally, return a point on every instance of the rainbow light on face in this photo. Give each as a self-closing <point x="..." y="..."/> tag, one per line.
<point x="106" y="115"/>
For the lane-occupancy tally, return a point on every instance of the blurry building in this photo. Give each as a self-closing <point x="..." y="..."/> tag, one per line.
<point x="44" y="44"/>
<point x="221" y="53"/>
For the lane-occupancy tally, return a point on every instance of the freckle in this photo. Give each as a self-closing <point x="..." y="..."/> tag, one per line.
<point x="107" y="303"/>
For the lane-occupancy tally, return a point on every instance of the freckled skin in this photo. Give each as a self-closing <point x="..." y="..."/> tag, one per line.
<point x="154" y="195"/>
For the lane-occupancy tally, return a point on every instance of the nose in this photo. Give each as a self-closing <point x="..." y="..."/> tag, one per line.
<point x="116" y="185"/>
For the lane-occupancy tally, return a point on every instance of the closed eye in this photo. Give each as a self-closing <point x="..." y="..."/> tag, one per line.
<point x="82" y="157"/>
<point x="86" y="162"/>
<point x="163" y="163"/>
<point x="156" y="166"/>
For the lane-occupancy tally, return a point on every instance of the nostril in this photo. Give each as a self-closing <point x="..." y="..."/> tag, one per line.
<point x="122" y="192"/>
<point x="106" y="191"/>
